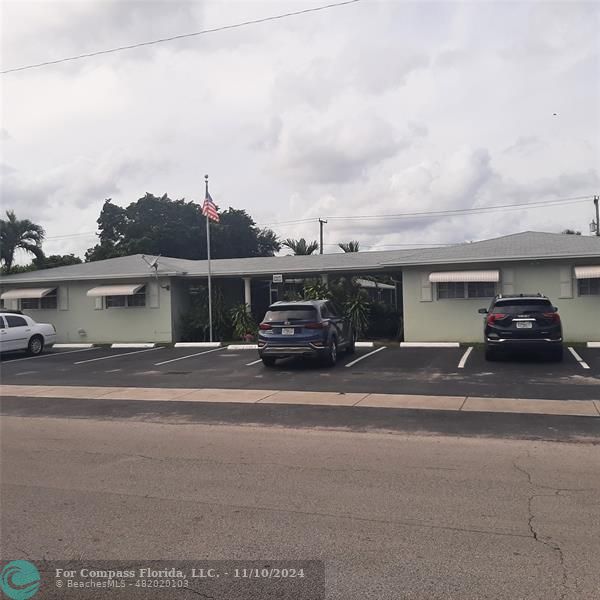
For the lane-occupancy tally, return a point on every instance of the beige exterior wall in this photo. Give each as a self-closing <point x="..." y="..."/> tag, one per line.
<point x="151" y="323"/>
<point x="458" y="321"/>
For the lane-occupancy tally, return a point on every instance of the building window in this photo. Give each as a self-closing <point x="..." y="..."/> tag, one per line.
<point x="448" y="290"/>
<point x="137" y="299"/>
<point x="49" y="301"/>
<point x="588" y="287"/>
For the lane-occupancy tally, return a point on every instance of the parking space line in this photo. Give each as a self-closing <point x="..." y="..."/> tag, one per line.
<point x="255" y="362"/>
<point x="365" y="356"/>
<point x="8" y="362"/>
<point x="578" y="358"/>
<point x="164" y="362"/>
<point x="465" y="356"/>
<point x="80" y="362"/>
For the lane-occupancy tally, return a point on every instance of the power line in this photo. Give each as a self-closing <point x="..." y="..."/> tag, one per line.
<point x="436" y="213"/>
<point x="180" y="37"/>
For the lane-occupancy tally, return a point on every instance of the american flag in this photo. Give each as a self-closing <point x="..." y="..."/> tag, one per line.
<point x="209" y="209"/>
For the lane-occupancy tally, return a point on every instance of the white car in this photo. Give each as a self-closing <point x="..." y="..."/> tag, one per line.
<point x="20" y="332"/>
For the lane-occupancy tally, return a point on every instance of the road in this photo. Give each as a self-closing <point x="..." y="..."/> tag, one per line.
<point x="392" y="515"/>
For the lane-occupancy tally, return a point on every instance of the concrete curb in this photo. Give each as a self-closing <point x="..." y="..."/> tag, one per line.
<point x="429" y="345"/>
<point x="197" y="345"/>
<point x="580" y="408"/>
<point x="73" y="345"/>
<point x="134" y="345"/>
<point x="242" y="347"/>
<point x="364" y="344"/>
<point x="593" y="344"/>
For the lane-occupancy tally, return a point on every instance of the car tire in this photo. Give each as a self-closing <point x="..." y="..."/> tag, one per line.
<point x="36" y="345"/>
<point x="558" y="354"/>
<point x="490" y="354"/>
<point x="331" y="358"/>
<point x="268" y="361"/>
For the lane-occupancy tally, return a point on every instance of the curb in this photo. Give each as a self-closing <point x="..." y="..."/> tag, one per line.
<point x="593" y="344"/>
<point x="73" y="345"/>
<point x="242" y="347"/>
<point x="197" y="345"/>
<point x="134" y="345"/>
<point x="429" y="345"/>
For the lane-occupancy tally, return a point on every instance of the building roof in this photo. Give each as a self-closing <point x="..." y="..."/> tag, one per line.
<point x="528" y="245"/>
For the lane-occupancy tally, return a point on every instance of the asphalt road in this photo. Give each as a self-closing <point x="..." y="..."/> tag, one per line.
<point x="422" y="371"/>
<point x="391" y="515"/>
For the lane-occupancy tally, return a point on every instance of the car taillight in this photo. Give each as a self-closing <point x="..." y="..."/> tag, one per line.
<point x="552" y="316"/>
<point x="265" y="326"/>
<point x="314" y="325"/>
<point x="492" y="318"/>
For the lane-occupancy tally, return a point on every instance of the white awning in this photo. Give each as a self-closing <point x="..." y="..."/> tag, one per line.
<point x="592" y="272"/>
<point x="464" y="276"/>
<point x="115" y="290"/>
<point x="26" y="293"/>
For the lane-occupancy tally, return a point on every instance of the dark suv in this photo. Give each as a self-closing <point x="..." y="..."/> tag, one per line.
<point x="524" y="321"/>
<point x="305" y="328"/>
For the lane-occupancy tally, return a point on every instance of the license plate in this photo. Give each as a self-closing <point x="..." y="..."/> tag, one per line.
<point x="524" y="324"/>
<point x="287" y="331"/>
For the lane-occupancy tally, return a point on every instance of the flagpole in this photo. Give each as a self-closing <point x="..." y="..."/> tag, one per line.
<point x="210" y="322"/>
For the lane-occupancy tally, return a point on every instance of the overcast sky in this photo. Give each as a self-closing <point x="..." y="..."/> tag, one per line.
<point x="373" y="108"/>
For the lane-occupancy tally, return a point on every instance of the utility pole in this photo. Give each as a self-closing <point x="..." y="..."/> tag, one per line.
<point x="596" y="201"/>
<point x="321" y="222"/>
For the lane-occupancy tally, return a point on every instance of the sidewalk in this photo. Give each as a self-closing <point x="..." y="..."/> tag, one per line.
<point x="584" y="408"/>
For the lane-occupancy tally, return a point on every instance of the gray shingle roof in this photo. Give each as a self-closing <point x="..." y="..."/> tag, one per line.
<point x="521" y="246"/>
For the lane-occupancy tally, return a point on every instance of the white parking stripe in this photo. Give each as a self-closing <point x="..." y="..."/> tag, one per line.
<point x="80" y="362"/>
<point x="465" y="356"/>
<point x="365" y="356"/>
<point x="164" y="362"/>
<point x="8" y="362"/>
<point x="578" y="358"/>
<point x="254" y="362"/>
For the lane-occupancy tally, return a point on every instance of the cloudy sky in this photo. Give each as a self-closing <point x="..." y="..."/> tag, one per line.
<point x="375" y="108"/>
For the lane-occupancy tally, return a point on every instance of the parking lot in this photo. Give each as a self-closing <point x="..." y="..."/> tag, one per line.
<point x="380" y="369"/>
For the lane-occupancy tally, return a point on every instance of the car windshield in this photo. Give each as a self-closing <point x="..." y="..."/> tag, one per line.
<point x="291" y="313"/>
<point x="522" y="306"/>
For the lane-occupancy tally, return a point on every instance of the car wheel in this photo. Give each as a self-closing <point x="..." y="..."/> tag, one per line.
<point x="268" y="361"/>
<point x="557" y="354"/>
<point x="490" y="354"/>
<point x="332" y="354"/>
<point x="36" y="345"/>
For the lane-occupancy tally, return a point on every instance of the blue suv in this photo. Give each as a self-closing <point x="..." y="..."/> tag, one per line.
<point x="304" y="328"/>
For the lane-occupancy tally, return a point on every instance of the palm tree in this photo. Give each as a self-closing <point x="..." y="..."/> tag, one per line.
<point x="19" y="234"/>
<point x="351" y="246"/>
<point x="301" y="247"/>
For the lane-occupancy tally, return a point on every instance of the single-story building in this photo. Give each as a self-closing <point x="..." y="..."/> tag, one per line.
<point x="127" y="299"/>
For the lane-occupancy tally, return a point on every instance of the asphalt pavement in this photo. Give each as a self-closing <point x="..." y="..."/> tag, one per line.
<point x="392" y="516"/>
<point x="386" y="369"/>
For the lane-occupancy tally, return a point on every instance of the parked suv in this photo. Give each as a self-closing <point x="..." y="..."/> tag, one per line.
<point x="306" y="328"/>
<point x="524" y="321"/>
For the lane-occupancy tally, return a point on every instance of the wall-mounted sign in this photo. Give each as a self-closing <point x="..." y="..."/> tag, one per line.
<point x="278" y="278"/>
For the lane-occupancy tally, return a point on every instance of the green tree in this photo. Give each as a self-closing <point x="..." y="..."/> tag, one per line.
<point x="300" y="247"/>
<point x="352" y="246"/>
<point x="571" y="232"/>
<point x="56" y="260"/>
<point x="177" y="228"/>
<point x="16" y="234"/>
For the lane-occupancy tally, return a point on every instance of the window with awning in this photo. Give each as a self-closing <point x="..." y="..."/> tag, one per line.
<point x="27" y="293"/>
<point x="115" y="290"/>
<point x="589" y="272"/>
<point x="452" y="285"/>
<point x="491" y="276"/>
<point x="33" y="298"/>
<point x="588" y="280"/>
<point x="120" y="296"/>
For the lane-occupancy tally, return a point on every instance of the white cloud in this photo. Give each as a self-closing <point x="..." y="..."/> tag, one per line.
<point x="374" y="108"/>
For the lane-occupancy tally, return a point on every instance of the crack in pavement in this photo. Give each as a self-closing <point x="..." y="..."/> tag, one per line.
<point x="533" y="530"/>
